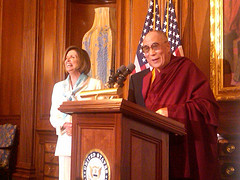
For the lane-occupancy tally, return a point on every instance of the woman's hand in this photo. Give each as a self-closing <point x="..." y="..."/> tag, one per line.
<point x="68" y="128"/>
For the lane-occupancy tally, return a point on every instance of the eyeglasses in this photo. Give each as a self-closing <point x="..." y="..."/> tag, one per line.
<point x="155" y="46"/>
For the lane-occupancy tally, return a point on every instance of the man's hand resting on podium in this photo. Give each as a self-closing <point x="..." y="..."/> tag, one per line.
<point x="163" y="111"/>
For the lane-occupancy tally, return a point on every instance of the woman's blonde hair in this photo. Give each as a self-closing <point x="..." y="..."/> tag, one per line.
<point x="84" y="63"/>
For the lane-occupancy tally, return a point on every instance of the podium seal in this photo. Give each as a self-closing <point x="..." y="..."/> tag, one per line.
<point x="95" y="166"/>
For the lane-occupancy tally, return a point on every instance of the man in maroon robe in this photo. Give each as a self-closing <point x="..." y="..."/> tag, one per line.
<point x="176" y="88"/>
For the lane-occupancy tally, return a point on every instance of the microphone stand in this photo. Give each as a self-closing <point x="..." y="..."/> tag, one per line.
<point x="110" y="79"/>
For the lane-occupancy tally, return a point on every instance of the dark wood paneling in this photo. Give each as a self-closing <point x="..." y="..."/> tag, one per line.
<point x="46" y="75"/>
<point x="26" y="150"/>
<point x="141" y="145"/>
<point x="229" y="122"/>
<point x="47" y="46"/>
<point x="195" y="32"/>
<point x="137" y="19"/>
<point x="51" y="45"/>
<point x="11" y="57"/>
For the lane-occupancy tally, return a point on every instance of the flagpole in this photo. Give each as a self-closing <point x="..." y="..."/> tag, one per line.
<point x="167" y="17"/>
<point x="154" y="14"/>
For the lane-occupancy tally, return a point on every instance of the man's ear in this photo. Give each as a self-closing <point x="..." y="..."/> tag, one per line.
<point x="168" y="45"/>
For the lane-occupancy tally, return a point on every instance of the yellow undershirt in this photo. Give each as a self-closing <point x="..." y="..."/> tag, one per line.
<point x="154" y="74"/>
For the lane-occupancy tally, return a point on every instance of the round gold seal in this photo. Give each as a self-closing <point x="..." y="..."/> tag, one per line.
<point x="95" y="166"/>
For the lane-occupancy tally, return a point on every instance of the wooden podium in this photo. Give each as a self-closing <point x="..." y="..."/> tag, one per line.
<point x="130" y="141"/>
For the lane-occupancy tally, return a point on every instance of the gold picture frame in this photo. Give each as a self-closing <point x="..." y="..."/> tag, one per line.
<point x="222" y="80"/>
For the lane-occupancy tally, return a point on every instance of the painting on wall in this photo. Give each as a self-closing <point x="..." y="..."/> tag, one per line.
<point x="225" y="49"/>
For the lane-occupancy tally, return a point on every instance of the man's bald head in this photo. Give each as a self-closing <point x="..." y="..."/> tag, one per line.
<point x="161" y="34"/>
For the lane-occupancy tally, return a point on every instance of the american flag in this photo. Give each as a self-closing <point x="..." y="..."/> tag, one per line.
<point x="152" y="22"/>
<point x="170" y="27"/>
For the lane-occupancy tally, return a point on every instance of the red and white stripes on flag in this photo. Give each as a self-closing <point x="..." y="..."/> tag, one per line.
<point x="170" y="27"/>
<point x="152" y="22"/>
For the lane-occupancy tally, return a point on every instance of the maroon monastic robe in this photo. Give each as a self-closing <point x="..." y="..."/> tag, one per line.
<point x="185" y="91"/>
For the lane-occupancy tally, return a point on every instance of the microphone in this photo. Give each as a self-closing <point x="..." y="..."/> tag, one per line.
<point x="113" y="77"/>
<point x="122" y="77"/>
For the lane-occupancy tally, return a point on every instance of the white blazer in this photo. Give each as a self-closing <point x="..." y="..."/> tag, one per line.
<point x="57" y="118"/>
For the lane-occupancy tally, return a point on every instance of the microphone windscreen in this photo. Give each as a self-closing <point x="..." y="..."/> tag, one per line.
<point x="131" y="67"/>
<point x="121" y="68"/>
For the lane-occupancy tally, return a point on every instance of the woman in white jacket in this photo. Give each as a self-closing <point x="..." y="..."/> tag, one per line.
<point x="77" y="65"/>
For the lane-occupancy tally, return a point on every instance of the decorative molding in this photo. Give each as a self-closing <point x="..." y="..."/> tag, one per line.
<point x="12" y="119"/>
<point x="9" y="117"/>
<point x="94" y="1"/>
